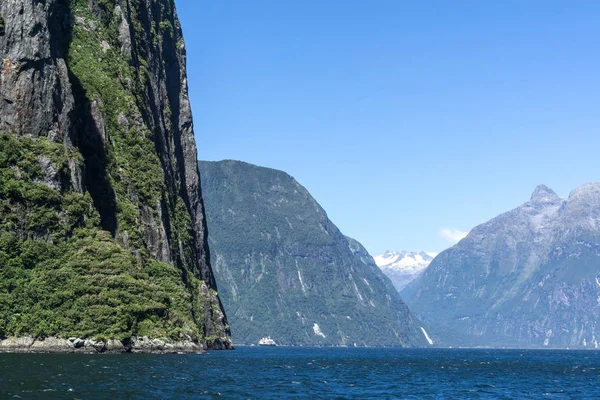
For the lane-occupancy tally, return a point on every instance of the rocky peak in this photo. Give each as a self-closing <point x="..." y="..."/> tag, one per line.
<point x="544" y="195"/>
<point x="586" y="192"/>
<point x="583" y="207"/>
<point x="528" y="276"/>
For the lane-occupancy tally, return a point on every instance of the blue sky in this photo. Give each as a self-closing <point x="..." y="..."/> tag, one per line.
<point x="402" y="118"/>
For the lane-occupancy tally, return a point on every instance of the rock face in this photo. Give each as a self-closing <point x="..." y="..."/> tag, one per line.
<point x="403" y="267"/>
<point x="286" y="271"/>
<point x="101" y="216"/>
<point x="529" y="277"/>
<point x="77" y="345"/>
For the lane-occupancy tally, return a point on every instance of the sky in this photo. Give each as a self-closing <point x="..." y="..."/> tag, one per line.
<point x="410" y="122"/>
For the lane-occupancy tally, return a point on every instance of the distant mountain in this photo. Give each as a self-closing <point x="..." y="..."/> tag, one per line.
<point x="402" y="267"/>
<point x="529" y="277"/>
<point x="284" y="270"/>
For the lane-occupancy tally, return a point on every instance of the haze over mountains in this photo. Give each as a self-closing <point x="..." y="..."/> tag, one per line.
<point x="284" y="270"/>
<point x="529" y="277"/>
<point x="402" y="267"/>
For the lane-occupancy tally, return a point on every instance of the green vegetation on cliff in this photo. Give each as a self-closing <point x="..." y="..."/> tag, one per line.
<point x="61" y="275"/>
<point x="100" y="225"/>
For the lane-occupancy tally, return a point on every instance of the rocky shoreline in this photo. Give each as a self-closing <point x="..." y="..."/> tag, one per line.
<point x="90" y="346"/>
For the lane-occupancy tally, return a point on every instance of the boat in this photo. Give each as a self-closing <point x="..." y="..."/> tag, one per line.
<point x="267" y="341"/>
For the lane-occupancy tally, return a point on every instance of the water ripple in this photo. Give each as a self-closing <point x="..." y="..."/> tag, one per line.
<point x="299" y="373"/>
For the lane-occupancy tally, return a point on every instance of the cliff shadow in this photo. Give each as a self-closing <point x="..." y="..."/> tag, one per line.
<point x="92" y="144"/>
<point x="86" y="134"/>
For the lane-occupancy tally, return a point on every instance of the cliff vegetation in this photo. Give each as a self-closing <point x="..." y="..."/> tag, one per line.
<point x="101" y="218"/>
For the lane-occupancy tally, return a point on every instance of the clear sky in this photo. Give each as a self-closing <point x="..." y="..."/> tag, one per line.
<point x="404" y="119"/>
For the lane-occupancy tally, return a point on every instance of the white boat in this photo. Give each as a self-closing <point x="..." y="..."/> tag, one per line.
<point x="267" y="341"/>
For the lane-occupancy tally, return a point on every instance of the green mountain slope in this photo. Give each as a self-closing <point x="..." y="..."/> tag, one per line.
<point x="285" y="270"/>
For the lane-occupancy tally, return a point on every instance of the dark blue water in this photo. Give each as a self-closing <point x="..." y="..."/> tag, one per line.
<point x="270" y="373"/>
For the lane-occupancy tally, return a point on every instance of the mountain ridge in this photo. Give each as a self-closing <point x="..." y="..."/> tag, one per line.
<point x="527" y="277"/>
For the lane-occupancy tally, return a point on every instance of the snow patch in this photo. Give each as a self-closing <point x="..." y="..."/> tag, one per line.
<point x="397" y="260"/>
<point x="402" y="267"/>
<point x="405" y="261"/>
<point x="386" y="258"/>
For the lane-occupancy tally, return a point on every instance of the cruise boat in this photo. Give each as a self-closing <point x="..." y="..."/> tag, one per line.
<point x="267" y="341"/>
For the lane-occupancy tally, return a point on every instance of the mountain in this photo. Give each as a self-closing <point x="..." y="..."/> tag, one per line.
<point x="102" y="228"/>
<point x="402" y="267"/>
<point x="529" y="277"/>
<point x="285" y="270"/>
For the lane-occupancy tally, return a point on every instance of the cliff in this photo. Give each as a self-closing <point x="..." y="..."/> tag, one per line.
<point x="286" y="271"/>
<point x="102" y="229"/>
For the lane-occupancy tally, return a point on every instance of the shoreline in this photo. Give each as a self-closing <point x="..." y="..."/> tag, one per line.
<point x="73" y="345"/>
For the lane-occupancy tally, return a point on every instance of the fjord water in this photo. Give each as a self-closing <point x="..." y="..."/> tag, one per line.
<point x="270" y="373"/>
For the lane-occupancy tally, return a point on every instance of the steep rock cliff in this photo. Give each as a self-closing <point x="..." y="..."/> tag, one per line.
<point x="101" y="216"/>
<point x="285" y="270"/>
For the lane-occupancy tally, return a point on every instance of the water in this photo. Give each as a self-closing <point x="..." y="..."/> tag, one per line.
<point x="270" y="373"/>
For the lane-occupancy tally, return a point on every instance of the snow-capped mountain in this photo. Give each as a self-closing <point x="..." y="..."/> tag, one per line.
<point x="402" y="267"/>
